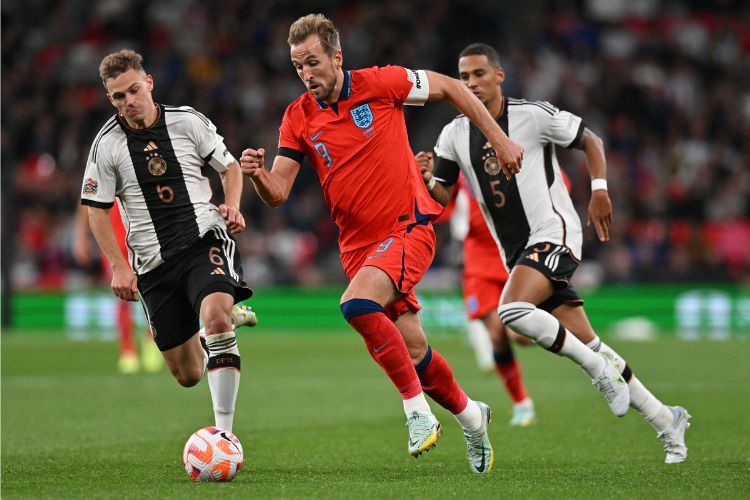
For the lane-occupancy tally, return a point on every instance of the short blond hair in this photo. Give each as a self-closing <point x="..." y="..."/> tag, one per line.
<point x="315" y="24"/>
<point x="117" y="63"/>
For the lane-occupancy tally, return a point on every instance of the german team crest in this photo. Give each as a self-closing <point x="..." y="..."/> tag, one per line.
<point x="362" y="116"/>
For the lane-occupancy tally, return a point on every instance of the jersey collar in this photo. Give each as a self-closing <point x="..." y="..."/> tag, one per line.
<point x="346" y="92"/>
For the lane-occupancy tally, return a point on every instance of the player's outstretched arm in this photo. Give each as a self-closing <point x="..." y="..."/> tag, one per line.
<point x="600" y="206"/>
<point x="274" y="186"/>
<point x="440" y="193"/>
<point x="230" y="209"/>
<point x="124" y="283"/>
<point x="508" y="153"/>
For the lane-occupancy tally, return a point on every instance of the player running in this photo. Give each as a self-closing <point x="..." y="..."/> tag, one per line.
<point x="484" y="277"/>
<point x="538" y="232"/>
<point x="350" y="125"/>
<point x="183" y="261"/>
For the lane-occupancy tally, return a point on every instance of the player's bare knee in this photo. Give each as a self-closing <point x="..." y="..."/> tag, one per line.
<point x="417" y="347"/>
<point x="217" y="321"/>
<point x="188" y="377"/>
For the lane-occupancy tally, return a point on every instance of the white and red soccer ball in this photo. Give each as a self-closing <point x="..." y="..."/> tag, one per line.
<point x="212" y="454"/>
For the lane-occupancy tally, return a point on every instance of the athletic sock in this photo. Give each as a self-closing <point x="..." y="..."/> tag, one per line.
<point x="223" y="376"/>
<point x="470" y="419"/>
<point x="654" y="411"/>
<point x="544" y="328"/>
<point x="385" y="345"/>
<point x="510" y="372"/>
<point x="438" y="382"/>
<point x="481" y="343"/>
<point x="417" y="403"/>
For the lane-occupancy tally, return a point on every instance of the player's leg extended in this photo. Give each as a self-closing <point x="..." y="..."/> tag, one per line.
<point x="670" y="422"/>
<point x="509" y="369"/>
<point x="527" y="287"/>
<point x="187" y="361"/>
<point x="362" y="306"/>
<point x="224" y="356"/>
<point x="436" y="377"/>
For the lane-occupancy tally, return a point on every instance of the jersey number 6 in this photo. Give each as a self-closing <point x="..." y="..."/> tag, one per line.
<point x="166" y="194"/>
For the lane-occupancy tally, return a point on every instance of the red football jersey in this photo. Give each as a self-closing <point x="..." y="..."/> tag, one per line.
<point x="360" y="150"/>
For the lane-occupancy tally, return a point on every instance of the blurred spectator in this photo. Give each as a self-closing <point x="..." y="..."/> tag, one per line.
<point x="666" y="83"/>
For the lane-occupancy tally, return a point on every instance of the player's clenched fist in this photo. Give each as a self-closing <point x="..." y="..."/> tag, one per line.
<point x="252" y="161"/>
<point x="510" y="155"/>
<point x="426" y="162"/>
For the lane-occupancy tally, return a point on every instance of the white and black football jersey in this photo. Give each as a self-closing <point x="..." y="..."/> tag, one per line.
<point x="156" y="174"/>
<point x="534" y="205"/>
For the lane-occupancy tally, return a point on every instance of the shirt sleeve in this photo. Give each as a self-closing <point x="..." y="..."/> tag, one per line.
<point x="99" y="179"/>
<point x="210" y="144"/>
<point x="447" y="168"/>
<point x="557" y="126"/>
<point x="290" y="143"/>
<point x="406" y="86"/>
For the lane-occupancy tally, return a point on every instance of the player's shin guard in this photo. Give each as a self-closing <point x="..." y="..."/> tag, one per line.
<point x="223" y="376"/>
<point x="384" y="343"/>
<point x="436" y="377"/>
<point x="544" y="328"/>
<point x="510" y="372"/>
<point x="654" y="411"/>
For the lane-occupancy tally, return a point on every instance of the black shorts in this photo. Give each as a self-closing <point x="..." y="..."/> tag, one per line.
<point x="172" y="293"/>
<point x="558" y="265"/>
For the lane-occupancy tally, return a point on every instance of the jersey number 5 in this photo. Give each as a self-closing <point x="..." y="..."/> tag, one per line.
<point x="499" y="195"/>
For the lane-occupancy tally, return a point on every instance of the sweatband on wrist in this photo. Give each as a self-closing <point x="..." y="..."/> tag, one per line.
<point x="598" y="184"/>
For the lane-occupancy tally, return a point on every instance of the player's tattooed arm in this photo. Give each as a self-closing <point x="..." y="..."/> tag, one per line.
<point x="508" y="152"/>
<point x="600" y="206"/>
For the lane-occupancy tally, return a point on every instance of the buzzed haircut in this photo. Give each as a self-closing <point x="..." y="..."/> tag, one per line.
<point x="315" y="24"/>
<point x="118" y="63"/>
<point x="482" y="49"/>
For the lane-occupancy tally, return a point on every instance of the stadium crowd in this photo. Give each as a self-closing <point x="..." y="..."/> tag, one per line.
<point x="665" y="84"/>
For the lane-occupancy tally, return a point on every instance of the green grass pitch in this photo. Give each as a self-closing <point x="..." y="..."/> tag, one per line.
<point x="318" y="419"/>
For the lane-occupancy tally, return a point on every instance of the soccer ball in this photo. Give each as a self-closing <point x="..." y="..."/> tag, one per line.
<point x="212" y="454"/>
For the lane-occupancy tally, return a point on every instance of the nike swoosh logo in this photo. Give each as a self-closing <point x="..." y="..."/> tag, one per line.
<point x="481" y="467"/>
<point x="412" y="443"/>
<point x="314" y="137"/>
<point x="378" y="349"/>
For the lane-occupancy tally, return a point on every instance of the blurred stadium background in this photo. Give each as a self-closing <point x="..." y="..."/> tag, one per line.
<point x="665" y="83"/>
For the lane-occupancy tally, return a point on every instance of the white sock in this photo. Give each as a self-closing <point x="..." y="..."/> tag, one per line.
<point x="479" y="338"/>
<point x="471" y="418"/>
<point x="223" y="376"/>
<point x="544" y="328"/>
<point x="654" y="411"/>
<point x="417" y="403"/>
